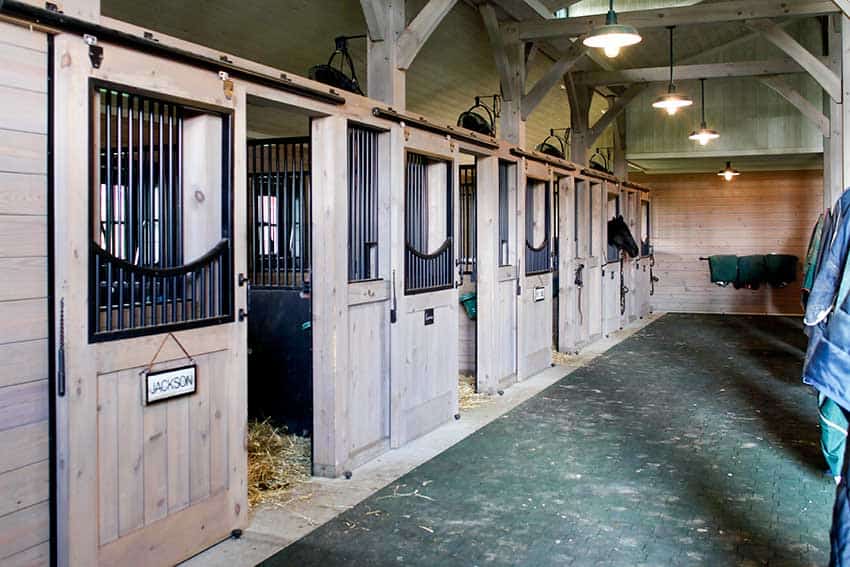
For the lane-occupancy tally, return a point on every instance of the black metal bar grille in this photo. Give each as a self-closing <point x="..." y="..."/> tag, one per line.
<point x="279" y="213"/>
<point x="468" y="234"/>
<point x="537" y="258"/>
<point x="362" y="204"/>
<point x="425" y="272"/>
<point x="139" y="282"/>
<point x="504" y="212"/>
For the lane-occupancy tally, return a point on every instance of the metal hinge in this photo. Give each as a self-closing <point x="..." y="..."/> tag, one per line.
<point x="95" y="51"/>
<point x="227" y="84"/>
<point x="60" y="363"/>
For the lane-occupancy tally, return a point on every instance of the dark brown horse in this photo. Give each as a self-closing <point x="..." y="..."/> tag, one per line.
<point x="620" y="236"/>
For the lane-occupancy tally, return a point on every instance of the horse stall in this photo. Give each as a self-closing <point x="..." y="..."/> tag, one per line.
<point x="612" y="268"/>
<point x="534" y="321"/>
<point x="468" y="270"/>
<point x="280" y="364"/>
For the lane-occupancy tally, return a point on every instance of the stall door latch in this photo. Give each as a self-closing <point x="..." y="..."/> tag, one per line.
<point x="95" y="51"/>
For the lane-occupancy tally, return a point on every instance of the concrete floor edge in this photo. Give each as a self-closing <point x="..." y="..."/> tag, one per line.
<point x="274" y="527"/>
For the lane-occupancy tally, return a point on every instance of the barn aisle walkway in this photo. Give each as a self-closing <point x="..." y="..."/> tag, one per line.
<point x="692" y="442"/>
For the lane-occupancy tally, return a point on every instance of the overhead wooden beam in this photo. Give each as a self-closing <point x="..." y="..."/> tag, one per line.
<point x="614" y="111"/>
<point x="819" y="71"/>
<point x="729" y="11"/>
<point x="375" y="24"/>
<point x="843" y="5"/>
<point x="792" y="95"/>
<point x="500" y="55"/>
<point x="689" y="72"/>
<point x="420" y="29"/>
<point x="554" y="75"/>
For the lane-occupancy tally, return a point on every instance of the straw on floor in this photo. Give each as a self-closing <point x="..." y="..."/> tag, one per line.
<point x="277" y="462"/>
<point x="466" y="395"/>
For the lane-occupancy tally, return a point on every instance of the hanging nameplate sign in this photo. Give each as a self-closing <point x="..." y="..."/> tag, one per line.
<point x="170" y="384"/>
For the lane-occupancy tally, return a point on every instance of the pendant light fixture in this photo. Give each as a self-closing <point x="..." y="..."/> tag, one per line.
<point x="612" y="36"/>
<point x="705" y="134"/>
<point x="728" y="173"/>
<point x="672" y="101"/>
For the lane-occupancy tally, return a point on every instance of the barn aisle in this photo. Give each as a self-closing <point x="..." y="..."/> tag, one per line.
<point x="692" y="442"/>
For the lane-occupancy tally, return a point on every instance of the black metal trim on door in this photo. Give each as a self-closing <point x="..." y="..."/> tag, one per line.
<point x="51" y="315"/>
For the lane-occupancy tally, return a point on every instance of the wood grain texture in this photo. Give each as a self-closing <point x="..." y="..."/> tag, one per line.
<point x="701" y="214"/>
<point x="24" y="529"/>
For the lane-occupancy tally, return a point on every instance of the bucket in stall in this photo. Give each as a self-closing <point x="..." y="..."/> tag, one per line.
<point x="469" y="304"/>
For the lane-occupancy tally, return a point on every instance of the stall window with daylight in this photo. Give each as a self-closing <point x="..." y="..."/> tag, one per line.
<point x="161" y="252"/>
<point x="538" y="213"/>
<point x="362" y="203"/>
<point x="428" y="222"/>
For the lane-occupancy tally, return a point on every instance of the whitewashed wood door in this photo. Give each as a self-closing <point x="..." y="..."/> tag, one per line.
<point x="142" y="484"/>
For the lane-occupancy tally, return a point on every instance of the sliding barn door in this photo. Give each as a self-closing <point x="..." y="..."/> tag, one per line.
<point x="151" y="382"/>
<point x="424" y="329"/>
<point x="497" y="274"/>
<point x="534" y="319"/>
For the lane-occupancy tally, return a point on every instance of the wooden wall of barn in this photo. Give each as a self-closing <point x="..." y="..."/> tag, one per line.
<point x="697" y="215"/>
<point x="24" y="453"/>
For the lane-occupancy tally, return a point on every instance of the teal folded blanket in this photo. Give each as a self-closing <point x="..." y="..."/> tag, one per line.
<point x="752" y="271"/>
<point x="781" y="269"/>
<point x="724" y="269"/>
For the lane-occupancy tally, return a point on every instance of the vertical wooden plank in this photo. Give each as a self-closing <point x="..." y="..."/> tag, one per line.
<point x="199" y="438"/>
<point x="178" y="431"/>
<point x="131" y="486"/>
<point x="107" y="457"/>
<point x="155" y="462"/>
<point x="217" y="381"/>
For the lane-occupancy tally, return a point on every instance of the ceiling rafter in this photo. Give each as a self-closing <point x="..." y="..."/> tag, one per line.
<point x="728" y="11"/>
<point x="420" y="29"/>
<point x="689" y="72"/>
<point x="813" y="64"/>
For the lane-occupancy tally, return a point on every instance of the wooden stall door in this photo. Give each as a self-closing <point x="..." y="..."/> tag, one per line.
<point x="424" y="334"/>
<point x="534" y="304"/>
<point x="497" y="274"/>
<point x="146" y="483"/>
<point x="567" y="289"/>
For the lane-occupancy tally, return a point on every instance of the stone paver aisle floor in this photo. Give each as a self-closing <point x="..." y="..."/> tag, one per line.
<point x="693" y="442"/>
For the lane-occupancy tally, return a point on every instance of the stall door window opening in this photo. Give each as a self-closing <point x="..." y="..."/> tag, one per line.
<point x="279" y="212"/>
<point x="363" y="187"/>
<point x="428" y="221"/>
<point x="161" y="254"/>
<point x="644" y="228"/>
<point x="506" y="169"/>
<point x="468" y="233"/>
<point x="538" y="213"/>
<point x="613" y="212"/>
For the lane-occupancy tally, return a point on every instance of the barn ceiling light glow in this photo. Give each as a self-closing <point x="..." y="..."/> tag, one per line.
<point x="612" y="37"/>
<point x="672" y="101"/>
<point x="728" y="173"/>
<point x="705" y="134"/>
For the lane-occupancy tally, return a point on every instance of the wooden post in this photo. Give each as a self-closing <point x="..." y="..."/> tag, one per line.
<point x="621" y="167"/>
<point x="833" y="145"/>
<point x="580" y="97"/>
<point x="385" y="81"/>
<point x="511" y="124"/>
<point x="330" y="296"/>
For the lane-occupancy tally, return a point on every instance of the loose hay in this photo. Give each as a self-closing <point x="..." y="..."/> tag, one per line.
<point x="560" y="357"/>
<point x="277" y="462"/>
<point x="467" y="397"/>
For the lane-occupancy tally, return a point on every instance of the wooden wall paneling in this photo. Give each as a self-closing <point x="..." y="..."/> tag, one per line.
<point x="22" y="530"/>
<point x="701" y="214"/>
